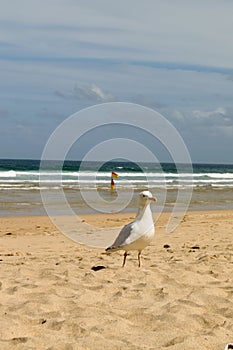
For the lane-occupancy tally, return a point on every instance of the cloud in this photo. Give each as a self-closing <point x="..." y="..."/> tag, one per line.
<point x="161" y="31"/>
<point x="206" y="133"/>
<point x="155" y="55"/>
<point x="205" y="115"/>
<point x="203" y="119"/>
<point x="98" y="93"/>
<point x="91" y="93"/>
<point x="218" y="119"/>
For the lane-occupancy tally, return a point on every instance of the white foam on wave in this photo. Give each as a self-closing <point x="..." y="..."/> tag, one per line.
<point x="9" y="173"/>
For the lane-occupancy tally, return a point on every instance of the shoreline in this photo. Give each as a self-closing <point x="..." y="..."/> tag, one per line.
<point x="98" y="220"/>
<point x="119" y="214"/>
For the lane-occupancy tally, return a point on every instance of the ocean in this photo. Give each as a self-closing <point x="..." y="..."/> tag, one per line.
<point x="86" y="186"/>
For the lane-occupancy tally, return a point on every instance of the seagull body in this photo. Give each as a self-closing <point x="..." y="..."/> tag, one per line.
<point x="139" y="233"/>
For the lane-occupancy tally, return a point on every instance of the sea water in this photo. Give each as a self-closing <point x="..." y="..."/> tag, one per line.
<point x="23" y="181"/>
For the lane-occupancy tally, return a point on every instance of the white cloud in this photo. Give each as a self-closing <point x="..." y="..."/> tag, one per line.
<point x="91" y="94"/>
<point x="100" y="94"/>
<point x="203" y="119"/>
<point x="209" y="114"/>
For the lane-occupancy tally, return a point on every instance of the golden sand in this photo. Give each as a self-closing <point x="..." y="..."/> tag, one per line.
<point x="58" y="295"/>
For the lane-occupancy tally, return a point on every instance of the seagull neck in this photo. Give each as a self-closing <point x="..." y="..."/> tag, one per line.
<point x="143" y="211"/>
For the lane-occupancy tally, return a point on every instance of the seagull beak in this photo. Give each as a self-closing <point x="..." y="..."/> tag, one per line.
<point x="153" y="199"/>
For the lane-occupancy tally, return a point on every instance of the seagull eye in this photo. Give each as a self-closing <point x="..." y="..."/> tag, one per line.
<point x="143" y="195"/>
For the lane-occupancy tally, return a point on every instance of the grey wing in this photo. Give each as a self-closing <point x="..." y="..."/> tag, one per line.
<point x="122" y="237"/>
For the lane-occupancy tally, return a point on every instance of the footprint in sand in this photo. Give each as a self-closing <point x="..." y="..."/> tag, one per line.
<point x="174" y="341"/>
<point x="160" y="294"/>
<point x="11" y="290"/>
<point x="55" y="325"/>
<point x="19" y="340"/>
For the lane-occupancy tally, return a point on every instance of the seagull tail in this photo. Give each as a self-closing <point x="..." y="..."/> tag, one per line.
<point x="111" y="249"/>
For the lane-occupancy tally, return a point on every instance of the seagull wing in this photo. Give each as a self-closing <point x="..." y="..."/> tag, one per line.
<point x="127" y="235"/>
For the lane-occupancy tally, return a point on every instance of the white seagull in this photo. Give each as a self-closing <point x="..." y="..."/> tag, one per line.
<point x="139" y="233"/>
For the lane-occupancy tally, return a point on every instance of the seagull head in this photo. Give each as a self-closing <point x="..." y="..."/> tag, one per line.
<point x="145" y="197"/>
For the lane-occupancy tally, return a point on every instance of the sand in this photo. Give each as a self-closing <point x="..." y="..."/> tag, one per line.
<point x="51" y="298"/>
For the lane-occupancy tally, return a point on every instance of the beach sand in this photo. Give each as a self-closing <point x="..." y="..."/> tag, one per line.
<point x="51" y="298"/>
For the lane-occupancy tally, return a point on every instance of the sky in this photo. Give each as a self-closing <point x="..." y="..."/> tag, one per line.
<point x="60" y="56"/>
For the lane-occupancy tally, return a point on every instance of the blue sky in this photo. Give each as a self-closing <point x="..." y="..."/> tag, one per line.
<point x="59" y="56"/>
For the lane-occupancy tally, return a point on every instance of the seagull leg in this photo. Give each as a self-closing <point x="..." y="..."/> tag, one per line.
<point x="139" y="258"/>
<point x="125" y="256"/>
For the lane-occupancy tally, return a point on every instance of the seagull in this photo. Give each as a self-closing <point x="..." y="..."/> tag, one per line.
<point x="139" y="233"/>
